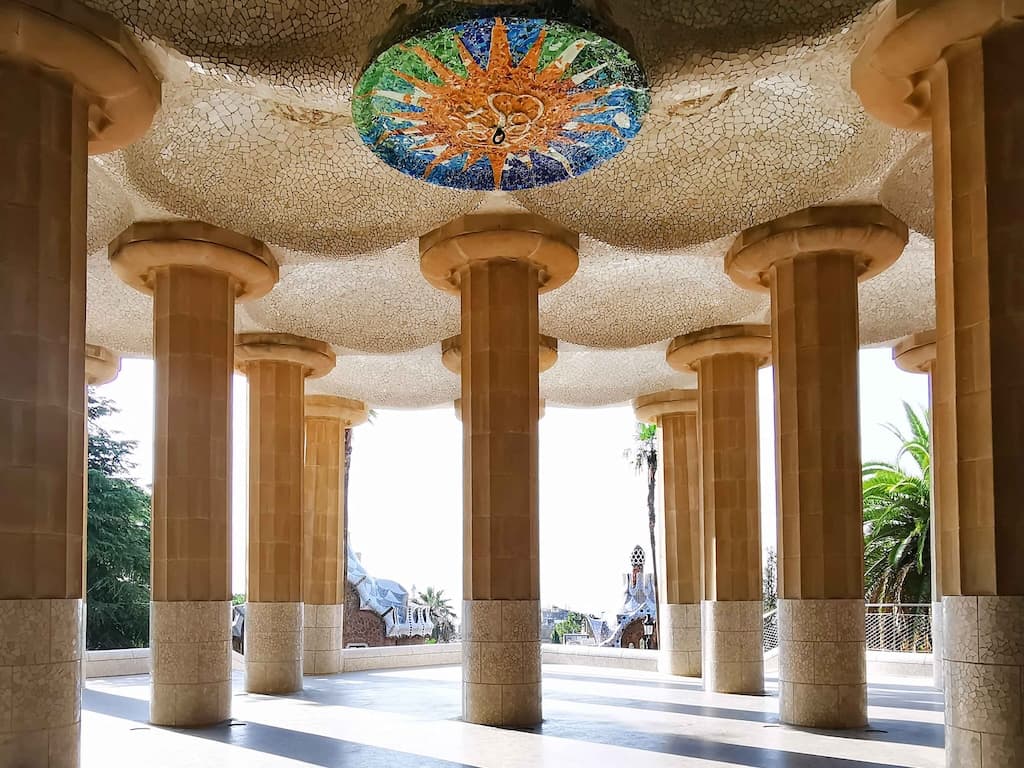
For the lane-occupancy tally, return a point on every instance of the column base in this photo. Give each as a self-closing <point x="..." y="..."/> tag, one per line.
<point x="938" y="668"/>
<point x="321" y="639"/>
<point x="733" y="646"/>
<point x="501" y="662"/>
<point x="273" y="647"/>
<point x="984" y="674"/>
<point x="190" y="643"/>
<point x="40" y="682"/>
<point x="679" y="634"/>
<point x="822" y="664"/>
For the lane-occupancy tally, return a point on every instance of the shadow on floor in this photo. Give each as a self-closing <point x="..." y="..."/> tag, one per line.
<point x="310" y="748"/>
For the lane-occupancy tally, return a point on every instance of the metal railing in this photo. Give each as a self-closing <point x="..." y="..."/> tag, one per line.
<point x="902" y="628"/>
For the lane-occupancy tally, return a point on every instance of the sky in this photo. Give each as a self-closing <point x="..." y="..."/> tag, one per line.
<point x="405" y="494"/>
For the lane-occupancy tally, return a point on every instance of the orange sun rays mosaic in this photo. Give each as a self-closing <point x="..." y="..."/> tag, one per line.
<point x="498" y="103"/>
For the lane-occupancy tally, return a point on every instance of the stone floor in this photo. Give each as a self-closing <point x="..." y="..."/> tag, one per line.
<point x="593" y="717"/>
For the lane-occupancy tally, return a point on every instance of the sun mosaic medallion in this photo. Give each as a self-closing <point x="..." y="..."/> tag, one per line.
<point x="500" y="102"/>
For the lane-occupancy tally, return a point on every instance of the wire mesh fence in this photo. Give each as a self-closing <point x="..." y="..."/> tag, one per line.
<point x="903" y="628"/>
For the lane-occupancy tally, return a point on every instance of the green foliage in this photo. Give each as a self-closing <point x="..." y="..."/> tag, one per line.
<point x="570" y="625"/>
<point x="238" y="598"/>
<point x="117" y="562"/>
<point x="770" y="581"/>
<point x="555" y="637"/>
<point x="897" y="519"/>
<point x="441" y="614"/>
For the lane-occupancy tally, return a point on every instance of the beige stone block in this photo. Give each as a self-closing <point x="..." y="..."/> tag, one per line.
<point x="1001" y="751"/>
<point x="840" y="663"/>
<point x="5" y="699"/>
<point x="471" y="660"/>
<point x="200" y="704"/>
<point x="213" y="662"/>
<point x="851" y="706"/>
<point x="46" y="695"/>
<point x="963" y="748"/>
<point x="327" y="662"/>
<point x="985" y="698"/>
<point x="796" y="661"/>
<point x="24" y="632"/>
<point x="812" y="706"/>
<point x="481" y="620"/>
<point x="30" y="748"/>
<point x="520" y="620"/>
<point x="161" y="704"/>
<point x="64" y="746"/>
<point x="175" y="663"/>
<point x="960" y="628"/>
<point x="273" y="646"/>
<point x="502" y="663"/>
<point x="482" y="703"/>
<point x="65" y="630"/>
<point x="1001" y="630"/>
<point x="521" y="704"/>
<point x="682" y="663"/>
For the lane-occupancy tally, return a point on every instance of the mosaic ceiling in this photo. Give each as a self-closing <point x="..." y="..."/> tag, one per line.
<point x="705" y="117"/>
<point x="496" y="103"/>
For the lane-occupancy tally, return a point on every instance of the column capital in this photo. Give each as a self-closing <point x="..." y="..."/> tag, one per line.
<point x="351" y="413"/>
<point x="101" y="365"/>
<point x="915" y="353"/>
<point x="451" y="353"/>
<point x="686" y="351"/>
<point x="872" y="234"/>
<point x="149" y="245"/>
<point x="316" y="357"/>
<point x="650" y="408"/>
<point x="448" y="250"/>
<point x="891" y="72"/>
<point x="94" y="52"/>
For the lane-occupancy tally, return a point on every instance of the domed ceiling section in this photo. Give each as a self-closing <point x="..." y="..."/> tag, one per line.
<point x="908" y="189"/>
<point x="768" y="147"/>
<point x="377" y="303"/>
<point x="627" y="298"/>
<point x="597" y="377"/>
<point x="751" y="117"/>
<point x="289" y="175"/>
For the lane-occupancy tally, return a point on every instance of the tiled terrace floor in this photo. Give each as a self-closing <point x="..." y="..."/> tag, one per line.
<point x="593" y="718"/>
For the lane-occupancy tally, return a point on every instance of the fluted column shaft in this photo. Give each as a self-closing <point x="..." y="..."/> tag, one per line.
<point x="43" y="179"/>
<point x="979" y="391"/>
<point x="810" y="261"/>
<point x="501" y="584"/>
<point x="193" y="340"/>
<point x="726" y="360"/>
<point x="276" y="366"/>
<point x="323" y="561"/>
<point x="821" y="538"/>
<point x="679" y="526"/>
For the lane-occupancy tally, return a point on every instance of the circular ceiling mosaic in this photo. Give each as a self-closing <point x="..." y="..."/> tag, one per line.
<point x="500" y="102"/>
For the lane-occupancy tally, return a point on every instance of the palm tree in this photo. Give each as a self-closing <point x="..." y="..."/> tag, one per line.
<point x="644" y="456"/>
<point x="897" y="518"/>
<point x="441" y="613"/>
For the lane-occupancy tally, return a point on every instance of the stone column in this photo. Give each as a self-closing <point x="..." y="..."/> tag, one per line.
<point x="681" y="581"/>
<point x="451" y="358"/>
<point x="726" y="359"/>
<point x="72" y="82"/>
<point x="276" y="366"/>
<point x="497" y="263"/>
<point x="811" y="261"/>
<point x="953" y="68"/>
<point x="323" y="529"/>
<point x="916" y="354"/>
<point x="195" y="273"/>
